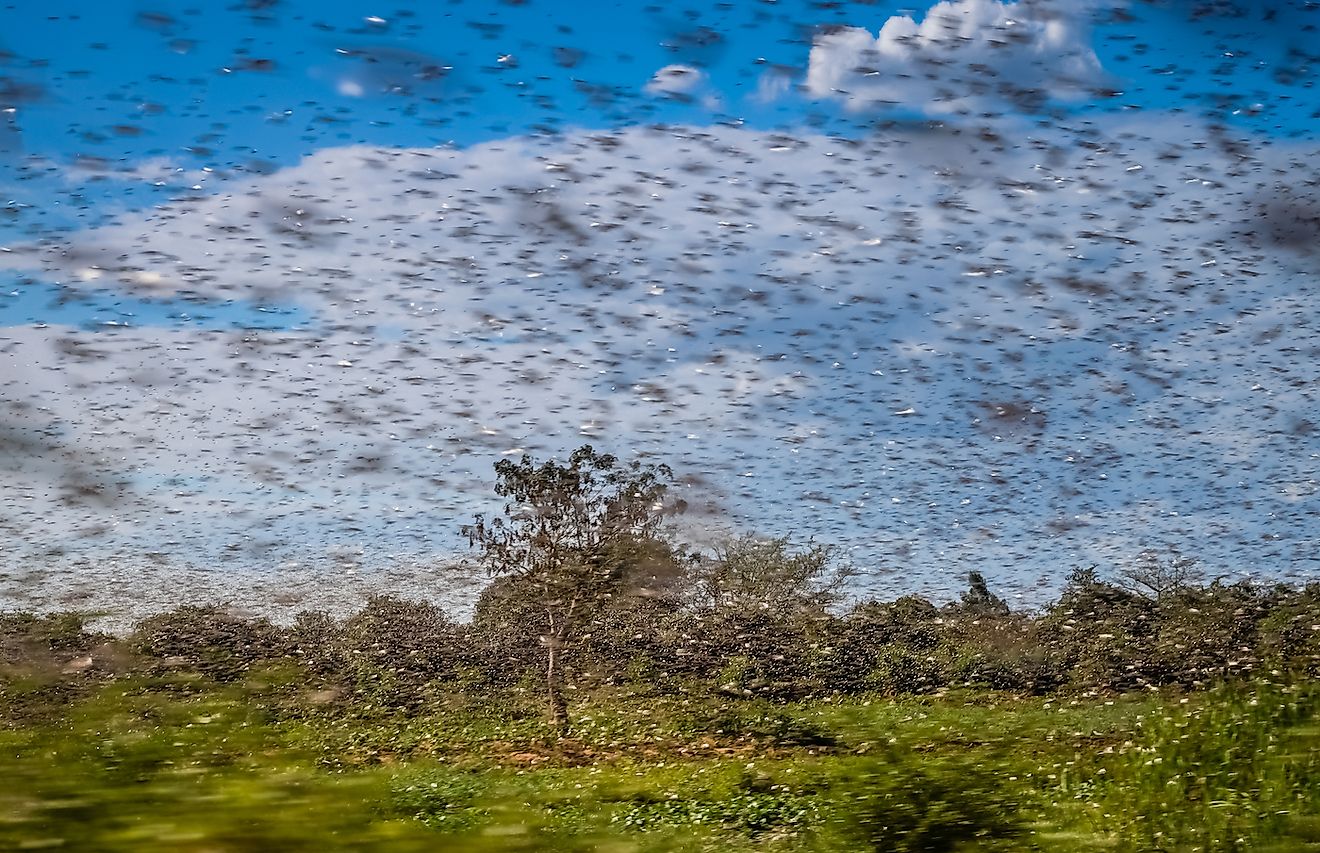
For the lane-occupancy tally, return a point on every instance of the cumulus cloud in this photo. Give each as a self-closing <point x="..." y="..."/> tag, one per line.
<point x="676" y="81"/>
<point x="932" y="346"/>
<point x="964" y="54"/>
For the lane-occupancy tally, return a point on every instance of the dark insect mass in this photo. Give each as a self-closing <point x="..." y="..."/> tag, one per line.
<point x="1010" y="287"/>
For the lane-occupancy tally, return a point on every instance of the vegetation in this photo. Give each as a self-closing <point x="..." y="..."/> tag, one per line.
<point x="718" y="700"/>
<point x="572" y="538"/>
<point x="280" y="758"/>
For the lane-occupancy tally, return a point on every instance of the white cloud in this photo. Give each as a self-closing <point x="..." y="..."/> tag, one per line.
<point x="726" y="300"/>
<point x="772" y="85"/>
<point x="964" y="54"/>
<point x="350" y="88"/>
<point x="160" y="171"/>
<point x="676" y="80"/>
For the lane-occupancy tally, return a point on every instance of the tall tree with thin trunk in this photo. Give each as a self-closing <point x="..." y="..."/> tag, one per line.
<point x="568" y="537"/>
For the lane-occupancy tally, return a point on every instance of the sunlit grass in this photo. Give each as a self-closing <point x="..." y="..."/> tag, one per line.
<point x="186" y="764"/>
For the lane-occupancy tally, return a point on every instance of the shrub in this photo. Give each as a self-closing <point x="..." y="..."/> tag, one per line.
<point x="760" y="654"/>
<point x="1098" y="633"/>
<point x="314" y="639"/>
<point x="208" y="641"/>
<point x="50" y="639"/>
<point x="1001" y="653"/>
<point x="899" y="669"/>
<point x="1205" y="635"/>
<point x="907" y="803"/>
<point x="762" y="721"/>
<point x="394" y="649"/>
<point x="1289" y="634"/>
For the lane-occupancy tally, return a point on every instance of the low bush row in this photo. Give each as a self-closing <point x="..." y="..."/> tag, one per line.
<point x="1098" y="636"/>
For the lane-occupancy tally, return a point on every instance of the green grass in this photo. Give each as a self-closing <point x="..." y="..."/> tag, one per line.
<point x="183" y="764"/>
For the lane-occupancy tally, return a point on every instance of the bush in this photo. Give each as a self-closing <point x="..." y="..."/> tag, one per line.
<point x="762" y="721"/>
<point x="1206" y="635"/>
<point x="208" y="641"/>
<point x="314" y="639"/>
<point x="883" y="647"/>
<point x="1289" y="635"/>
<point x="1000" y="653"/>
<point x="1098" y="633"/>
<point x="1225" y="773"/>
<point x="909" y="804"/>
<point x="899" y="669"/>
<point x="395" y="649"/>
<point x="1107" y="637"/>
<point x="751" y="654"/>
<point x="41" y="640"/>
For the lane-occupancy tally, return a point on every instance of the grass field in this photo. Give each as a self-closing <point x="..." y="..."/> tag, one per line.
<point x="180" y="763"/>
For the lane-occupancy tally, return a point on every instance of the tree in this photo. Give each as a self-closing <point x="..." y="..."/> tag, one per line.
<point x="759" y="614"/>
<point x="978" y="600"/>
<point x="750" y="574"/>
<point x="1158" y="579"/>
<point x="571" y="538"/>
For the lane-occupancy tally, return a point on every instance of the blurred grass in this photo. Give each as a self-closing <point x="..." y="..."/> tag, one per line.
<point x="182" y="763"/>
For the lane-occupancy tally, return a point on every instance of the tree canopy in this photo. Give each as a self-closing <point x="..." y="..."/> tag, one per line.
<point x="572" y="535"/>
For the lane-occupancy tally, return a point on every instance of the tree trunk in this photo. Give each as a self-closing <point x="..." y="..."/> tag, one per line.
<point x="558" y="705"/>
<point x="554" y="644"/>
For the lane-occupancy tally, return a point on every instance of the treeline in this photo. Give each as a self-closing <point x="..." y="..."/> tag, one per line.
<point x="1100" y="635"/>
<point x="590" y="590"/>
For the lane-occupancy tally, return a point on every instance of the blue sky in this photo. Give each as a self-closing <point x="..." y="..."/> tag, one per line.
<point x="303" y="271"/>
<point x="127" y="82"/>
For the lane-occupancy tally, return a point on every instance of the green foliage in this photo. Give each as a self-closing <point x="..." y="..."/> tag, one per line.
<point x="137" y="770"/>
<point x="394" y="650"/>
<point x="439" y="797"/>
<point x="754" y="812"/>
<point x="573" y="540"/>
<point x="751" y="575"/>
<point x="192" y="764"/>
<point x="570" y="528"/>
<point x="763" y="722"/>
<point x="903" y="804"/>
<point x="894" y="726"/>
<point x="1231" y="772"/>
